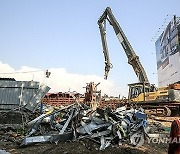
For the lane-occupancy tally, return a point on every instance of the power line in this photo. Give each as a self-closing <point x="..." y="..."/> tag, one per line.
<point x="24" y="72"/>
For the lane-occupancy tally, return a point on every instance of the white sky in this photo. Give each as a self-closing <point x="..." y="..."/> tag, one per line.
<point x="60" y="79"/>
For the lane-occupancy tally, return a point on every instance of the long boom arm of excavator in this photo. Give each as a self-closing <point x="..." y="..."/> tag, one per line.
<point x="133" y="59"/>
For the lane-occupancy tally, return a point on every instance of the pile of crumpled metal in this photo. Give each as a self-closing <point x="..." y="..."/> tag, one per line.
<point x="78" y="121"/>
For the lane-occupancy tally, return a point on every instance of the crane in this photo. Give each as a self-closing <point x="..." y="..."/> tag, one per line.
<point x="133" y="59"/>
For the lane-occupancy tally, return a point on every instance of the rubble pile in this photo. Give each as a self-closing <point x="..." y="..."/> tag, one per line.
<point x="77" y="121"/>
<point x="13" y="124"/>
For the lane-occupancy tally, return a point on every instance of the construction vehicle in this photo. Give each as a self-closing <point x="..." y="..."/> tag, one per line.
<point x="156" y="101"/>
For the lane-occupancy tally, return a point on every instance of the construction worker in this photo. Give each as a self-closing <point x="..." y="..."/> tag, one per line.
<point x="174" y="145"/>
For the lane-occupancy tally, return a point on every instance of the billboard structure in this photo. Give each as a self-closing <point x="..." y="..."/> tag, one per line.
<point x="168" y="54"/>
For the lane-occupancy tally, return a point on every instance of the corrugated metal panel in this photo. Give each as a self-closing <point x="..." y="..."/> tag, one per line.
<point x="13" y="84"/>
<point x="14" y="93"/>
<point x="27" y="95"/>
<point x="8" y="107"/>
<point x="9" y="96"/>
<point x="37" y="97"/>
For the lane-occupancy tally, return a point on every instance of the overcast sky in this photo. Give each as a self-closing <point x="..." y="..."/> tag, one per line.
<point x="63" y="36"/>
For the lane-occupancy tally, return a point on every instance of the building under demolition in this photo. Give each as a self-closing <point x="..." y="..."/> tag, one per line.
<point x="62" y="99"/>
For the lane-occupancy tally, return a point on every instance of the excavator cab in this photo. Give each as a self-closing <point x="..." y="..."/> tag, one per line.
<point x="137" y="91"/>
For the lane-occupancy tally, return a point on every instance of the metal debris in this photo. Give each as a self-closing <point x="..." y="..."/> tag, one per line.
<point x="77" y="121"/>
<point x="4" y="152"/>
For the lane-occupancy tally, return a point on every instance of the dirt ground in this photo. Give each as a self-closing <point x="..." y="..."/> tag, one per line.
<point x="165" y="121"/>
<point x="82" y="147"/>
<point x="87" y="146"/>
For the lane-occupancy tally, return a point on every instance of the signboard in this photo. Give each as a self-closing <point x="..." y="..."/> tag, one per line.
<point x="168" y="54"/>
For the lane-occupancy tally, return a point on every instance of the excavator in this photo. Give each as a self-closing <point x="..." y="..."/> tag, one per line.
<point x="158" y="101"/>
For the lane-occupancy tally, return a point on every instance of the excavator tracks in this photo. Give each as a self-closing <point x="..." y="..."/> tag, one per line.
<point x="160" y="108"/>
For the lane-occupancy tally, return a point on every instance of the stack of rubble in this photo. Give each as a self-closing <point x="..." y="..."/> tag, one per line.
<point x="77" y="121"/>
